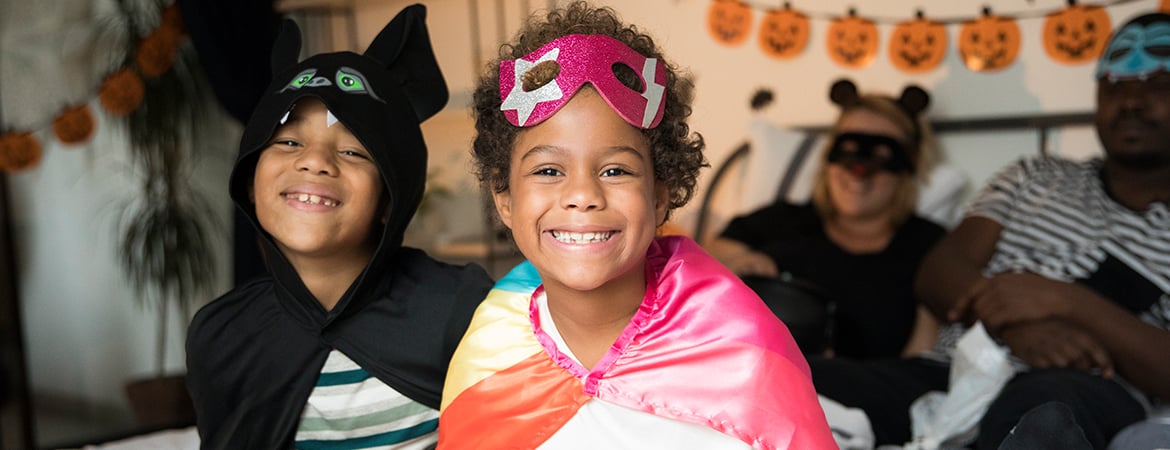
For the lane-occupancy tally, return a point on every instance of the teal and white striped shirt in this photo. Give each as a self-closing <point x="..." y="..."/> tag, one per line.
<point x="349" y="409"/>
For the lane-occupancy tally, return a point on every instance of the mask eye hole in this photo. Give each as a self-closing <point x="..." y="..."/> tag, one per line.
<point x="350" y="80"/>
<point x="540" y="75"/>
<point x="1118" y="54"/>
<point x="302" y="79"/>
<point x="1162" y="50"/>
<point x="628" y="77"/>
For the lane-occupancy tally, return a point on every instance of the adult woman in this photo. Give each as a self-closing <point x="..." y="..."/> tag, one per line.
<point x="858" y="239"/>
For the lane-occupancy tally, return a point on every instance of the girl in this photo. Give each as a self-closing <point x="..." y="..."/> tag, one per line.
<point x="609" y="337"/>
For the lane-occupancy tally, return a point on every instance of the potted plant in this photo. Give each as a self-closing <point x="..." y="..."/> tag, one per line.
<point x="164" y="245"/>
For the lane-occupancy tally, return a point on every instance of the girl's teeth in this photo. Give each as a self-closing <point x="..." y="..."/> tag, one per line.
<point x="581" y="238"/>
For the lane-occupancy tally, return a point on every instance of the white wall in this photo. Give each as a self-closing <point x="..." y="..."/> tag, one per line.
<point x="85" y="333"/>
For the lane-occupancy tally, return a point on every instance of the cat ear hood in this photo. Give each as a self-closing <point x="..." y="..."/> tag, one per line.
<point x="380" y="96"/>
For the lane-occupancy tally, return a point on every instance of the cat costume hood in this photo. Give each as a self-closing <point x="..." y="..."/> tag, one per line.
<point x="254" y="354"/>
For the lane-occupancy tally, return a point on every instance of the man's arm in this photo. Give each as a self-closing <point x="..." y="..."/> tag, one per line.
<point x="1140" y="351"/>
<point x="1008" y="302"/>
<point x="955" y="265"/>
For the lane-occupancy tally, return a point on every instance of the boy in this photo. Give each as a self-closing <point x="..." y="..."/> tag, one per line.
<point x="609" y="337"/>
<point x="347" y="342"/>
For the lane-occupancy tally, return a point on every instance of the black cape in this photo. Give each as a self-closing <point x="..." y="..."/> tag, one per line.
<point x="254" y="354"/>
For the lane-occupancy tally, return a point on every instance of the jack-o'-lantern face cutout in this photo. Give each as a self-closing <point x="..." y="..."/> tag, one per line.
<point x="852" y="41"/>
<point x="74" y="125"/>
<point x="989" y="43"/>
<point x="19" y="151"/>
<point x="729" y="21"/>
<point x="1076" y="34"/>
<point x="783" y="33"/>
<point x="918" y="45"/>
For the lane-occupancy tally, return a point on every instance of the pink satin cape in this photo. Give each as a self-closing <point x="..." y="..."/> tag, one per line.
<point x="702" y="348"/>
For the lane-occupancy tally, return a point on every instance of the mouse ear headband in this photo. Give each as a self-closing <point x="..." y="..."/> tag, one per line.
<point x="583" y="59"/>
<point x="913" y="101"/>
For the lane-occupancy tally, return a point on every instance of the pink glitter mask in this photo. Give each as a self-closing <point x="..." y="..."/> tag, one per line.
<point x="583" y="59"/>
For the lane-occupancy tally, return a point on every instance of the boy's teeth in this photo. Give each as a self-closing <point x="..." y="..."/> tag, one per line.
<point x="581" y="238"/>
<point x="315" y="200"/>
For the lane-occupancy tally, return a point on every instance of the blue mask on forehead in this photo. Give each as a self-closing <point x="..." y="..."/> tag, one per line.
<point x="1136" y="52"/>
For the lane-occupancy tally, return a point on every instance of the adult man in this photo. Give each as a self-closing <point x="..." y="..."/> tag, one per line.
<point x="1068" y="263"/>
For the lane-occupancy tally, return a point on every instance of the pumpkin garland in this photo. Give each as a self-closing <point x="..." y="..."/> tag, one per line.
<point x="918" y="45"/>
<point x="729" y="21"/>
<point x="852" y="41"/>
<point x="1077" y="34"/>
<point x="75" y="125"/>
<point x="989" y="43"/>
<point x="120" y="93"/>
<point x="1073" y="34"/>
<point x="783" y="32"/>
<point x="19" y="151"/>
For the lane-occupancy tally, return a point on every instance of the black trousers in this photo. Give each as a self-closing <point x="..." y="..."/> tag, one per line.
<point x="885" y="389"/>
<point x="1099" y="407"/>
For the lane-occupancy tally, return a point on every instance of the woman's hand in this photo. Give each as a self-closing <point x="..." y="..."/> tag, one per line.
<point x="753" y="263"/>
<point x="741" y="259"/>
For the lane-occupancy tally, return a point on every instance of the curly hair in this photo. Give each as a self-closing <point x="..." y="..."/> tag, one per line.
<point x="676" y="152"/>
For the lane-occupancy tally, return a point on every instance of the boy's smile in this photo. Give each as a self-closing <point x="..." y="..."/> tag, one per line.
<point x="316" y="188"/>
<point x="582" y="202"/>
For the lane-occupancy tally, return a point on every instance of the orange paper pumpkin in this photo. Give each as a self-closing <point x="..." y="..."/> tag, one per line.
<point x="1077" y="34"/>
<point x="19" y="151"/>
<point x="989" y="43"/>
<point x="1164" y="6"/>
<point x="918" y="45"/>
<point x="729" y="21"/>
<point x="852" y="41"/>
<point x="122" y="92"/>
<point x="74" y="125"/>
<point x="172" y="20"/>
<point x="156" y="53"/>
<point x="783" y="33"/>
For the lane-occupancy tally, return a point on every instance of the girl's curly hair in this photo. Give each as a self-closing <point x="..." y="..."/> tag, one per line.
<point x="677" y="154"/>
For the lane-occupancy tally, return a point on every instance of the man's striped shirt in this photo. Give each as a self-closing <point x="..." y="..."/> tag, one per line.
<point x="1060" y="222"/>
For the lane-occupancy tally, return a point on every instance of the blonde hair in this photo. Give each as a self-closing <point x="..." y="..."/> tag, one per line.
<point x="919" y="143"/>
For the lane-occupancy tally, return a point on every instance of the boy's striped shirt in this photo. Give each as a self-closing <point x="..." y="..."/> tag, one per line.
<point x="350" y="409"/>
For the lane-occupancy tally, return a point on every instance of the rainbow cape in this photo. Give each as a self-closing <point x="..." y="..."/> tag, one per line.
<point x="702" y="349"/>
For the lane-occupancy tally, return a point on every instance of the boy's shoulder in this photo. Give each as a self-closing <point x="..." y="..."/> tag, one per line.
<point x="235" y="305"/>
<point x="414" y="267"/>
<point x="415" y="262"/>
<point x="239" y="297"/>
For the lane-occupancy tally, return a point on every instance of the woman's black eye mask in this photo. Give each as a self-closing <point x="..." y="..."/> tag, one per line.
<point x="860" y="154"/>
